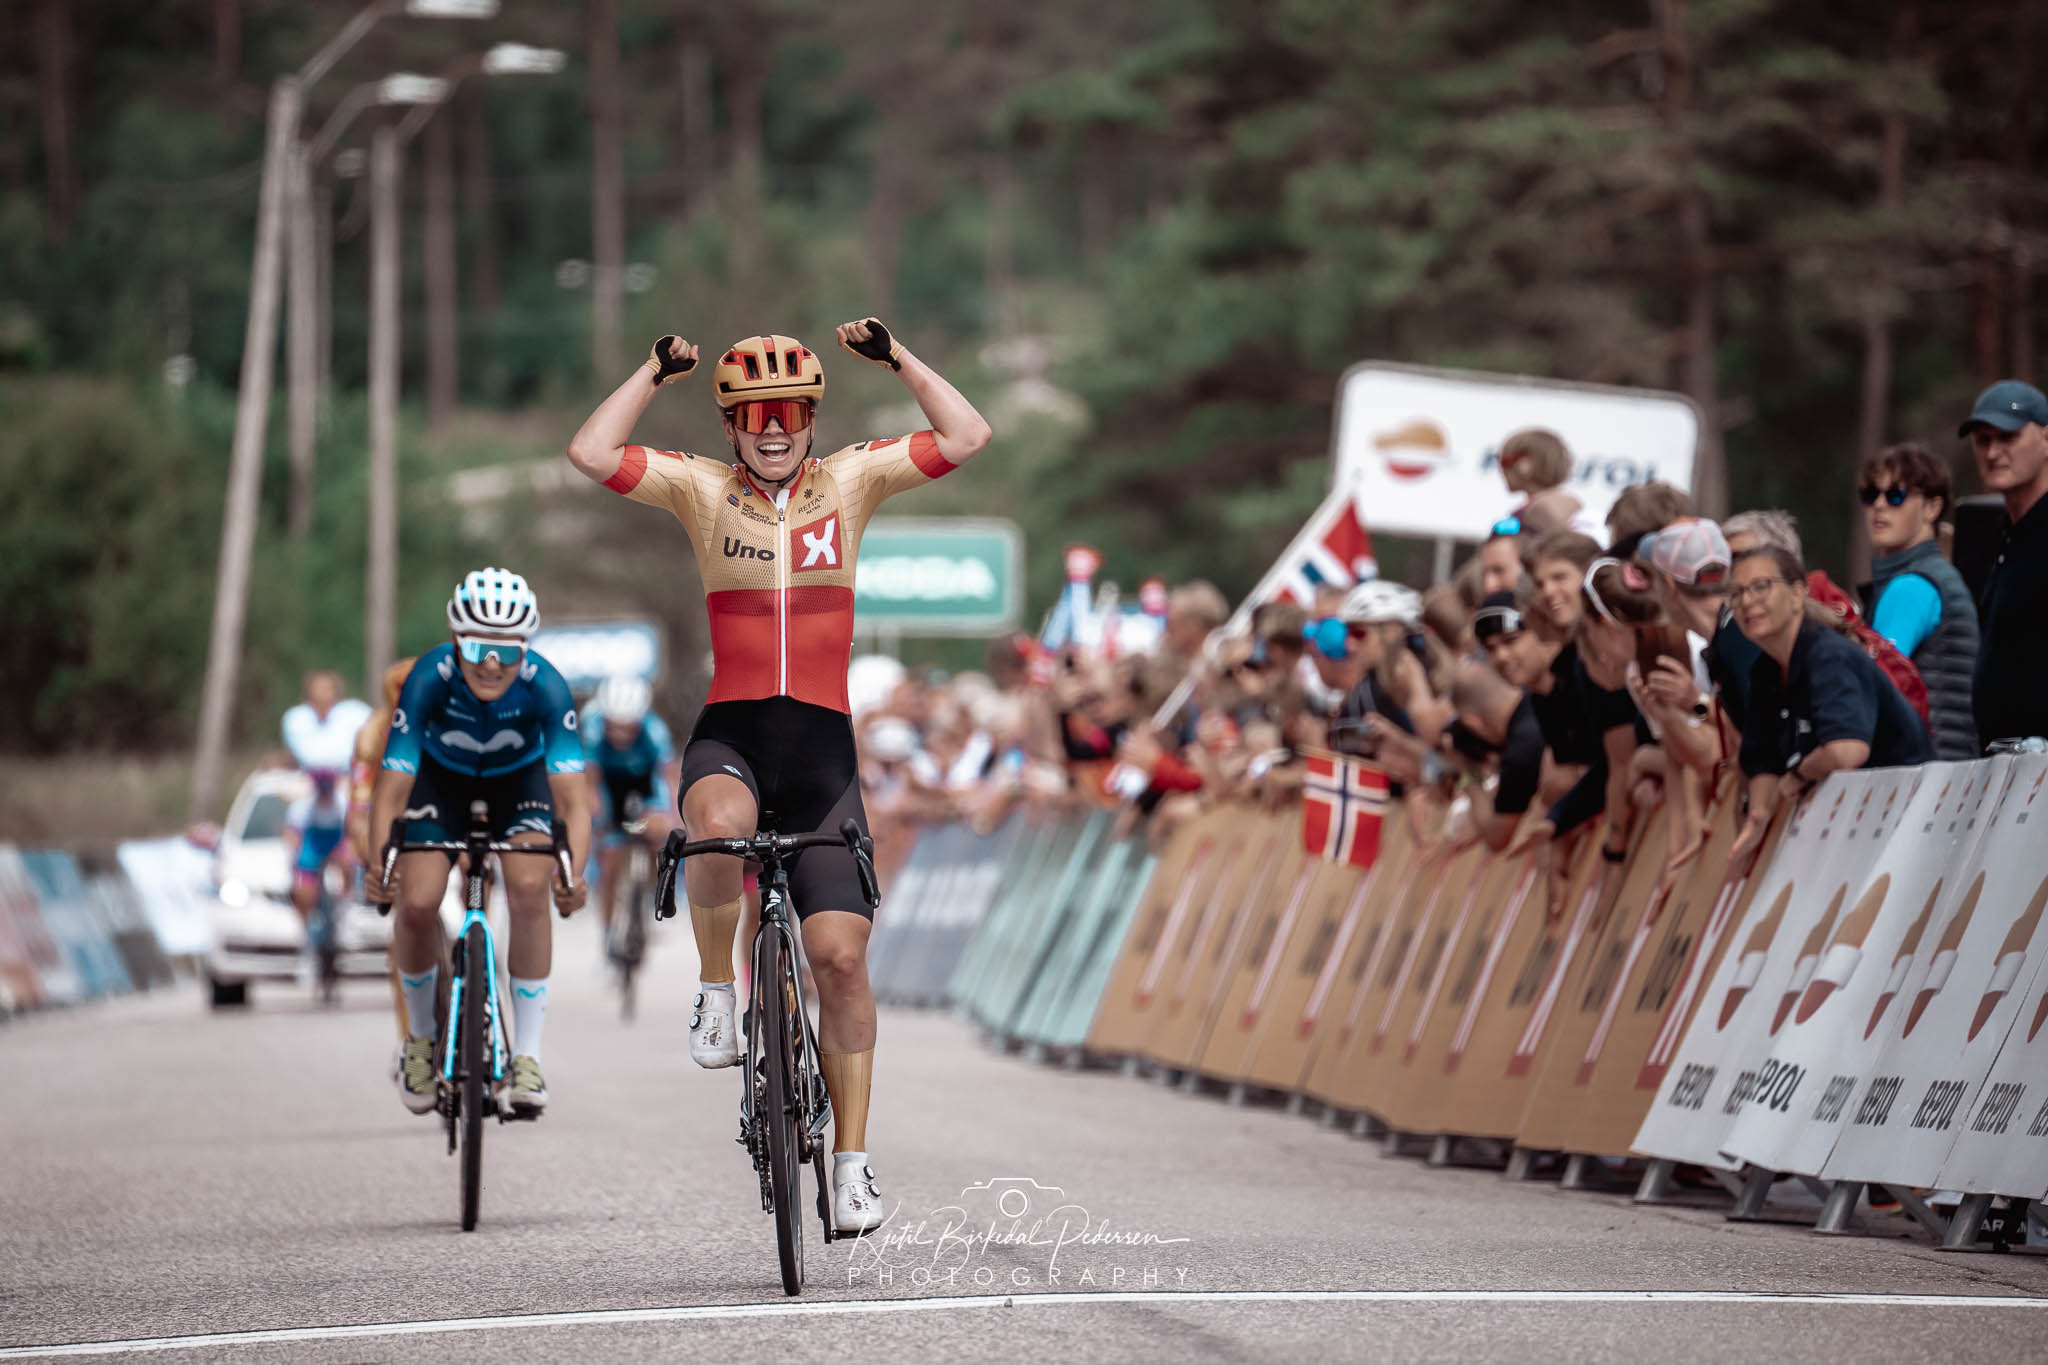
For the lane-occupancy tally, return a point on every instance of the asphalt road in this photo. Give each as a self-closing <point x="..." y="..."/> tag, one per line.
<point x="248" y="1183"/>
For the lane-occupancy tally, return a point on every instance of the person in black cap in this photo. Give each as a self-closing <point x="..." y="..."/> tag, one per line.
<point x="2008" y="434"/>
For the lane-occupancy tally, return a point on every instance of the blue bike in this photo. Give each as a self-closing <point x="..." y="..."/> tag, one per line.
<point x="474" y="1055"/>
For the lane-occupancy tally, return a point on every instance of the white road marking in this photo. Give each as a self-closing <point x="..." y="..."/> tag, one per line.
<point x="614" y="1316"/>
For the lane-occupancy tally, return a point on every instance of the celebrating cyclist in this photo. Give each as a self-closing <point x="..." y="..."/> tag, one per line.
<point x="320" y="732"/>
<point x="482" y="718"/>
<point x="629" y="755"/>
<point x="776" y="534"/>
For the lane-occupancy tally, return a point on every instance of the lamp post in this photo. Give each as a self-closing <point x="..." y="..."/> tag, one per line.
<point x="387" y="144"/>
<point x="252" y="409"/>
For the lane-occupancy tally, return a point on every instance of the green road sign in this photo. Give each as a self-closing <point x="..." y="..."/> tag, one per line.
<point x="939" y="576"/>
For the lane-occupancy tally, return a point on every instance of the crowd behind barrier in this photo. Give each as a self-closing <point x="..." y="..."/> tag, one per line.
<point x="1636" y="839"/>
<point x="1860" y="1002"/>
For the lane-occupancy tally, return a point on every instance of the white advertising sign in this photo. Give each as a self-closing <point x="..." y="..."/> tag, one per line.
<point x="1947" y="1010"/>
<point x="1719" y="1066"/>
<point x="1820" y="1053"/>
<point x="1422" y="446"/>
<point x="2001" y="1130"/>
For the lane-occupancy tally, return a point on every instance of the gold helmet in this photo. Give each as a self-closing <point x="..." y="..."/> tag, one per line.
<point x="767" y="367"/>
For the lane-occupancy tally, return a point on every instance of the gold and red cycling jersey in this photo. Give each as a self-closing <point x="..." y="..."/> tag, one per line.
<point x="777" y="564"/>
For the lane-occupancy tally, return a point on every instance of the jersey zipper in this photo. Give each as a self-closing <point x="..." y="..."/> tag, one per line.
<point x="782" y="592"/>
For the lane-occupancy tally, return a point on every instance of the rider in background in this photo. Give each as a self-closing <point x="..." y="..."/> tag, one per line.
<point x="628" y="752"/>
<point x="362" y="780"/>
<point x="321" y="733"/>
<point x="481" y="718"/>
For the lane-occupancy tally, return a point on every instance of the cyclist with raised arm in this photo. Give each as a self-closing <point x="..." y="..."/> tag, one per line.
<point x="481" y="718"/>
<point x="776" y="534"/>
<point x="629" y="754"/>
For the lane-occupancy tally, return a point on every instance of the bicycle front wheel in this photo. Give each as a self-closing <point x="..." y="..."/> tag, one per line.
<point x="773" y="978"/>
<point x="473" y="1067"/>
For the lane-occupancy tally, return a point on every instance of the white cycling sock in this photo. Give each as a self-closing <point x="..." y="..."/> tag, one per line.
<point x="846" y="1158"/>
<point x="529" y="1014"/>
<point x="419" y="1001"/>
<point x="725" y="986"/>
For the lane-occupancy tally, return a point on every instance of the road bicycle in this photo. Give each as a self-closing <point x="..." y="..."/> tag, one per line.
<point x="474" y="1054"/>
<point x="626" y="939"/>
<point x="784" y="1108"/>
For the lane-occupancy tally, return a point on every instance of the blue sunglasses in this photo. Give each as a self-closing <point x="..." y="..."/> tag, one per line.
<point x="507" y="653"/>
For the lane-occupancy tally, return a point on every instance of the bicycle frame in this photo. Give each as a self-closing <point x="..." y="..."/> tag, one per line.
<point x="477" y="849"/>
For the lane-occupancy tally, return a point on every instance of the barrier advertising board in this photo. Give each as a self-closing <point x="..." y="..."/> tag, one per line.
<point x="939" y="576"/>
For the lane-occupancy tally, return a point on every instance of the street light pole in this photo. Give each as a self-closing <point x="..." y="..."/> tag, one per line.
<point x="245" y="458"/>
<point x="380" y="596"/>
<point x="252" y="405"/>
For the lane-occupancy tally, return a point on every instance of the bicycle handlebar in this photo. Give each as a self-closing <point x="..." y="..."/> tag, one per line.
<point x="765" y="846"/>
<point x="557" y="848"/>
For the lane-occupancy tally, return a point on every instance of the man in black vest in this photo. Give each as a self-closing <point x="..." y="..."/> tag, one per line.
<point x="2008" y="434"/>
<point x="1915" y="598"/>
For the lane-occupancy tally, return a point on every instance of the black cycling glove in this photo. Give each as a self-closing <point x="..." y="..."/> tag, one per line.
<point x="880" y="347"/>
<point x="666" y="366"/>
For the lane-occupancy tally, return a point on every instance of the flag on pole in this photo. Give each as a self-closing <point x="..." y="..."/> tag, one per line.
<point x="1333" y="551"/>
<point x="1343" y="804"/>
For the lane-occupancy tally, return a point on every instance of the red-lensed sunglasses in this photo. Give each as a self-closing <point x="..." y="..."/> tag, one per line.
<point x="753" y="415"/>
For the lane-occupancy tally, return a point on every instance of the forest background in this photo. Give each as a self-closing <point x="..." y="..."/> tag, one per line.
<point x="1146" y="237"/>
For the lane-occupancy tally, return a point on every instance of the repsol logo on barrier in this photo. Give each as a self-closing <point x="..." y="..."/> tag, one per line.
<point x="2001" y="1104"/>
<point x="1938" y="1106"/>
<point x="1693" y="1083"/>
<point x="1614" y="471"/>
<point x="2039" y="1127"/>
<point x="1772" y="1086"/>
<point x="739" y="549"/>
<point x="1834" y="1099"/>
<point x="1665" y="970"/>
<point x="1876" y="1109"/>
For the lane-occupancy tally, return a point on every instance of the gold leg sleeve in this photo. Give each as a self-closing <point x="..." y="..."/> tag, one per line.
<point x="848" y="1076"/>
<point x="714" y="926"/>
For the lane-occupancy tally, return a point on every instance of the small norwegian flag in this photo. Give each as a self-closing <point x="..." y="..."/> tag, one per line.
<point x="1343" y="803"/>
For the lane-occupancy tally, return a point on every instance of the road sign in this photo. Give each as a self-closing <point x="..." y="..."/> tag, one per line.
<point x="1422" y="446"/>
<point x="588" y="652"/>
<point x="939" y="576"/>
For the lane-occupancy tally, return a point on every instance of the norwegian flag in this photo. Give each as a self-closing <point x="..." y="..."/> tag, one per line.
<point x="1333" y="550"/>
<point x="1343" y="803"/>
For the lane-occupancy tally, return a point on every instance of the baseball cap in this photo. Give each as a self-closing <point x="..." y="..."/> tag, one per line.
<point x="2008" y="405"/>
<point x="1691" y="550"/>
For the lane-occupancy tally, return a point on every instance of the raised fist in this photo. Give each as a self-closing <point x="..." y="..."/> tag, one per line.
<point x="670" y="357"/>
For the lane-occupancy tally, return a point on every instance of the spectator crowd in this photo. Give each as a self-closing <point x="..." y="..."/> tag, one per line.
<point x="1570" y="680"/>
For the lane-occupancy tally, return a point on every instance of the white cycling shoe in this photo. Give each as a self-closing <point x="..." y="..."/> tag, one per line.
<point x="418" y="1085"/>
<point x="856" y="1202"/>
<point x="714" y="1041"/>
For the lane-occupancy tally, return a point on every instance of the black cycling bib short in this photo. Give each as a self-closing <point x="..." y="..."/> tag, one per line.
<point x="798" y="760"/>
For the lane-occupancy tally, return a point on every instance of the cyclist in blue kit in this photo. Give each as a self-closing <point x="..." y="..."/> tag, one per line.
<point x="630" y="755"/>
<point x="480" y="718"/>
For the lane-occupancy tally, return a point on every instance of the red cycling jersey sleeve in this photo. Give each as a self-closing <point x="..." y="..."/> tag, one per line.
<point x="670" y="479"/>
<point x="875" y="471"/>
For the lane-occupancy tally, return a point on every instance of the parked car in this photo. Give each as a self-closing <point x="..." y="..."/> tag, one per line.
<point x="257" y="933"/>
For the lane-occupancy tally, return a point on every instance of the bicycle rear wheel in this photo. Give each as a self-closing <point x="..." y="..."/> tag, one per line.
<point x="772" y="969"/>
<point x="473" y="1065"/>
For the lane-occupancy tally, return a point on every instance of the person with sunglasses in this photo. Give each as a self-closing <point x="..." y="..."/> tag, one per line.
<point x="1916" y="598"/>
<point x="776" y="534"/>
<point x="480" y="718"/>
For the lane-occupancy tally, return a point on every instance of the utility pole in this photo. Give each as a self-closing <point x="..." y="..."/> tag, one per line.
<point x="607" y="192"/>
<point x="443" y="336"/>
<point x="380" y="596"/>
<point x="245" y="458"/>
<point x="303" y="341"/>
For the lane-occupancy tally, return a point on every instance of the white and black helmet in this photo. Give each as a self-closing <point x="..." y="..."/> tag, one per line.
<point x="494" y="602"/>
<point x="1379" y="601"/>
<point x="623" y="698"/>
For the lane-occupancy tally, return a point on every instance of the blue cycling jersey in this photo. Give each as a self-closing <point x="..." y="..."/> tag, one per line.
<point x="651" y="750"/>
<point x="437" y="714"/>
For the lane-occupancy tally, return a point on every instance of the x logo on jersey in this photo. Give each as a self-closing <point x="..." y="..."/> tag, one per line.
<point x="820" y="543"/>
